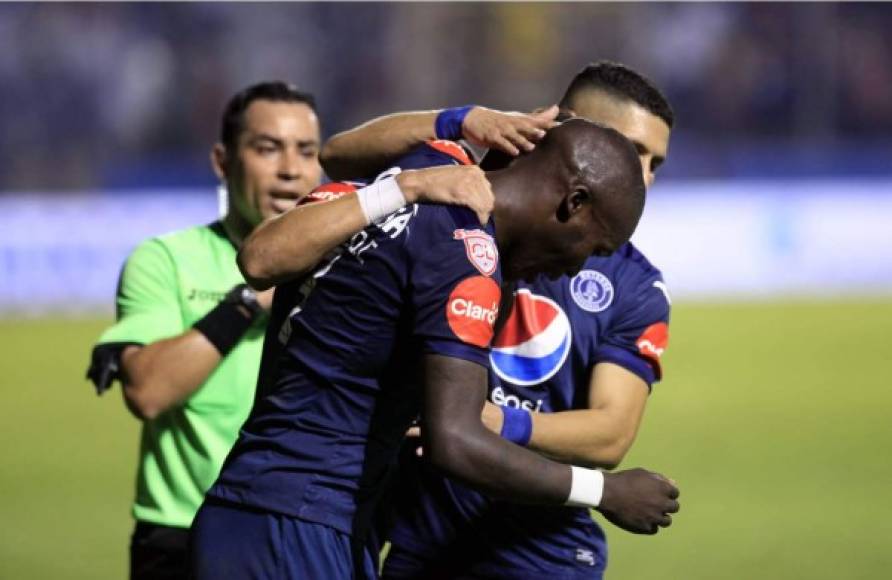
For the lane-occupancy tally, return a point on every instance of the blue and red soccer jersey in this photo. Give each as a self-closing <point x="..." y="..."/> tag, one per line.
<point x="337" y="386"/>
<point x="615" y="310"/>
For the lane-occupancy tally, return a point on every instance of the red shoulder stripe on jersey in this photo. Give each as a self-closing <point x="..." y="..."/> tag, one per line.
<point x="451" y="149"/>
<point x="328" y="192"/>
<point x="652" y="343"/>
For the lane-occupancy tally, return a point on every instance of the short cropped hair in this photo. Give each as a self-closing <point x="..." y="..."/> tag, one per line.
<point x="620" y="82"/>
<point x="276" y="91"/>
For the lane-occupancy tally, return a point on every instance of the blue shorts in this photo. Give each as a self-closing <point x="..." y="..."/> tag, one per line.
<point x="238" y="543"/>
<point x="403" y="564"/>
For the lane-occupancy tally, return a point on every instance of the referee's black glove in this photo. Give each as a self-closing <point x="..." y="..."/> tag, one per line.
<point x="105" y="366"/>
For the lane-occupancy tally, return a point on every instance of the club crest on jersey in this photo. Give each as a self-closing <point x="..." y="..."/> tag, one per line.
<point x="481" y="250"/>
<point x="591" y="290"/>
<point x="534" y="343"/>
<point x="472" y="309"/>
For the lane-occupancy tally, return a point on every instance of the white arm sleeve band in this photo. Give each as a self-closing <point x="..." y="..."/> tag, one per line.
<point x="380" y="199"/>
<point x="586" y="488"/>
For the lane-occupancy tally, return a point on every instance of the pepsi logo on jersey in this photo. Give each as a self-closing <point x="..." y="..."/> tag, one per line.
<point x="500" y="397"/>
<point x="534" y="342"/>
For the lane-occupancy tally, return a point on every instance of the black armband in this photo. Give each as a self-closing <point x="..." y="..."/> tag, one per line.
<point x="105" y="365"/>
<point x="226" y="323"/>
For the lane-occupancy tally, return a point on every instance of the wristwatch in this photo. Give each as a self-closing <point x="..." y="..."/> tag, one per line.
<point x="243" y="295"/>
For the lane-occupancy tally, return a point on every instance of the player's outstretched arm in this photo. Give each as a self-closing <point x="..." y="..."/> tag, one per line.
<point x="371" y="147"/>
<point x="368" y="149"/>
<point x="458" y="443"/>
<point x="290" y="245"/>
<point x="599" y="436"/>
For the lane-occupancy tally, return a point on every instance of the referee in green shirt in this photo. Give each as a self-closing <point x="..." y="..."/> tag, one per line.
<point x="186" y="345"/>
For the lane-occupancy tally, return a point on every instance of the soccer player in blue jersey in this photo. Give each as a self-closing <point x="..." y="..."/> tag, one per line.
<point x="582" y="350"/>
<point x="399" y="320"/>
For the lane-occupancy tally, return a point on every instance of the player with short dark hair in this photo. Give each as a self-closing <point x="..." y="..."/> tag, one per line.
<point x="620" y="82"/>
<point x="587" y="382"/>
<point x="399" y="320"/>
<point x="187" y="342"/>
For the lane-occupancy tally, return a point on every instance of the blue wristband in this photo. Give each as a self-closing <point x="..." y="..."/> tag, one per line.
<point x="449" y="121"/>
<point x="517" y="425"/>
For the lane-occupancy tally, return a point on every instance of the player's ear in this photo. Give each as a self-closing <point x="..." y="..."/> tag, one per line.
<point x="219" y="161"/>
<point x="578" y="200"/>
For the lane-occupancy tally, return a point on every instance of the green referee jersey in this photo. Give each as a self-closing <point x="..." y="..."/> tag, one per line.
<point x="167" y="284"/>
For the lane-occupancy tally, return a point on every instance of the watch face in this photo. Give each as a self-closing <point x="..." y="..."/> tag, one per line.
<point x="249" y="300"/>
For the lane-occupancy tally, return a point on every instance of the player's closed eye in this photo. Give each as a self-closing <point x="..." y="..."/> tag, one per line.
<point x="309" y="151"/>
<point x="266" y="149"/>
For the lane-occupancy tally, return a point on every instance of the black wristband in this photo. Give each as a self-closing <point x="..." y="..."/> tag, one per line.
<point x="224" y="326"/>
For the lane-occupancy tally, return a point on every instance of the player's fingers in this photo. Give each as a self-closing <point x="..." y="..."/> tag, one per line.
<point x="414" y="431"/>
<point x="503" y="144"/>
<point x="482" y="200"/>
<point x="665" y="521"/>
<point x="673" y="490"/>
<point x="672" y="507"/>
<point x="482" y="206"/>
<point x="531" y="131"/>
<point x="545" y="118"/>
<point x="520" y="140"/>
<point x="419" y="451"/>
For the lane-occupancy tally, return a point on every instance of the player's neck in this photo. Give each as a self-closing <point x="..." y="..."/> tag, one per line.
<point x="505" y="211"/>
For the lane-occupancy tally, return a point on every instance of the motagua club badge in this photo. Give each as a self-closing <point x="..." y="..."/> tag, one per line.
<point x="591" y="290"/>
<point x="481" y="250"/>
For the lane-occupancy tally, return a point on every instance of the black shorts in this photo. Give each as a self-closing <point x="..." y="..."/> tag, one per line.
<point x="159" y="552"/>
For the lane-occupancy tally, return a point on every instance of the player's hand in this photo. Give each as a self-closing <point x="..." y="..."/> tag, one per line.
<point x="451" y="184"/>
<point x="638" y="500"/>
<point x="508" y="132"/>
<point x="492" y="417"/>
<point x="265" y="299"/>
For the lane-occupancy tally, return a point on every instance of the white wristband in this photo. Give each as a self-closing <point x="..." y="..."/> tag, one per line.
<point x="380" y="199"/>
<point x="586" y="487"/>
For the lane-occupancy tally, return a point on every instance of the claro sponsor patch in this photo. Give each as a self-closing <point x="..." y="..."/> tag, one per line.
<point x="652" y="343"/>
<point x="472" y="309"/>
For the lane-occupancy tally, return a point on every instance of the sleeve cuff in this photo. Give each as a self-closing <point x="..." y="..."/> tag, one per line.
<point x="628" y="361"/>
<point x="458" y="350"/>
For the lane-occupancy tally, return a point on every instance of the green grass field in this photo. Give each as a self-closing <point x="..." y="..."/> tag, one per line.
<point x="775" y="419"/>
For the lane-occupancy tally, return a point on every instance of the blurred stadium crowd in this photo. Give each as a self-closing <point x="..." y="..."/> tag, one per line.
<point x="127" y="95"/>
